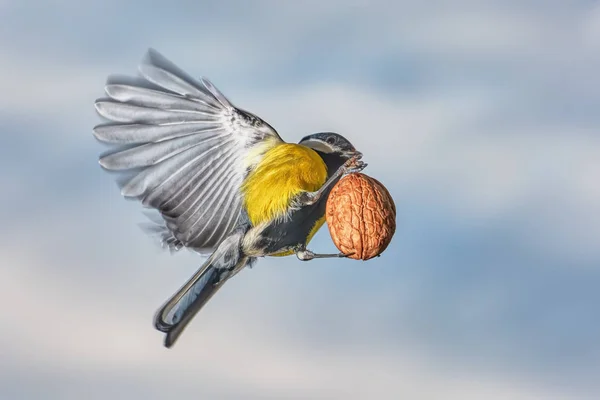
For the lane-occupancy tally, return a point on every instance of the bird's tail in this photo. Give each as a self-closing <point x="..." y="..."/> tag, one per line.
<point x="180" y="309"/>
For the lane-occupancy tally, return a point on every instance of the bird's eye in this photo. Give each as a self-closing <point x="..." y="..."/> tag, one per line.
<point x="330" y="140"/>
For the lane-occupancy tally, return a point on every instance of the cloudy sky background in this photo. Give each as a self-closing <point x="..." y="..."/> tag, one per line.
<point x="481" y="118"/>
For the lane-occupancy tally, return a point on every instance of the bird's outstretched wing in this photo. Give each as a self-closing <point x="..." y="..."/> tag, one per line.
<point x="186" y="147"/>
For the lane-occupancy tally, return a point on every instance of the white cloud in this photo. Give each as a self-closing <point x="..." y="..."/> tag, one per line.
<point x="70" y="324"/>
<point x="82" y="282"/>
<point x="83" y="301"/>
<point x="42" y="89"/>
<point x="443" y="144"/>
<point x="590" y="26"/>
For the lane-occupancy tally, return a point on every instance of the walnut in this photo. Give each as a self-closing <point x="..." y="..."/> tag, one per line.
<point x="361" y="216"/>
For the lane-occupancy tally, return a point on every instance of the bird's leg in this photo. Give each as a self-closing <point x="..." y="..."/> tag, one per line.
<point x="352" y="165"/>
<point x="306" y="255"/>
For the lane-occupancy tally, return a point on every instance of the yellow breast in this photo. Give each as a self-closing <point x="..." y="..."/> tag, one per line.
<point x="284" y="171"/>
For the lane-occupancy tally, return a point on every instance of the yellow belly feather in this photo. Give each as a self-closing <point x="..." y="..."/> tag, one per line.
<point x="284" y="171"/>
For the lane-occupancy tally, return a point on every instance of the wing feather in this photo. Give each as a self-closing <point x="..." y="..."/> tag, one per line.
<point x="125" y="134"/>
<point x="187" y="145"/>
<point x="156" y="99"/>
<point x="130" y="113"/>
<point x="160" y="174"/>
<point x="201" y="206"/>
<point x="192" y="187"/>
<point x="153" y="153"/>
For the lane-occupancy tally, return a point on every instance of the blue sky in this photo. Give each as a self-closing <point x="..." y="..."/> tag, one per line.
<point x="481" y="118"/>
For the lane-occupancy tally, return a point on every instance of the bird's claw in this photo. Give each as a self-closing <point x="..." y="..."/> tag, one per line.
<point x="307" y="255"/>
<point x="354" y="165"/>
<point x="360" y="165"/>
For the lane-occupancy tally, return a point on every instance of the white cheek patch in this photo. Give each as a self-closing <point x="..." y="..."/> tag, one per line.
<point x="317" y="145"/>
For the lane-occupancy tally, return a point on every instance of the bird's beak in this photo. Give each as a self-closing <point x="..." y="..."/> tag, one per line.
<point x="354" y="153"/>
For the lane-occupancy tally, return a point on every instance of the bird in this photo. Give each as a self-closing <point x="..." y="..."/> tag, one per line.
<point x="223" y="181"/>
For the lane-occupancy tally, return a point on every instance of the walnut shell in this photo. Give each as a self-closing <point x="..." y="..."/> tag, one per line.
<point x="361" y="216"/>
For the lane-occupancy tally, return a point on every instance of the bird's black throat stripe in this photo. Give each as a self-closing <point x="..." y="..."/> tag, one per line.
<point x="285" y="235"/>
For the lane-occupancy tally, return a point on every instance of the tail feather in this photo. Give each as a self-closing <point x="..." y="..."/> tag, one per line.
<point x="180" y="309"/>
<point x="205" y="294"/>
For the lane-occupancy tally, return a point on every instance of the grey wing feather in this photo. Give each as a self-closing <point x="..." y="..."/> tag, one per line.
<point x="188" y="146"/>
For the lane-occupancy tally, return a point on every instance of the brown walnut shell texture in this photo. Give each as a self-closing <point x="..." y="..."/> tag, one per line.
<point x="361" y="216"/>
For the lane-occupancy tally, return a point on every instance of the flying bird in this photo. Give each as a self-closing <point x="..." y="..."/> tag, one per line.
<point x="223" y="180"/>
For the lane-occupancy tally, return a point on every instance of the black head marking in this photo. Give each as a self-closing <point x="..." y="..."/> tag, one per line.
<point x="329" y="142"/>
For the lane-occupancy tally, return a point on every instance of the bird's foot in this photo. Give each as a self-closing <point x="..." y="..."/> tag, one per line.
<point x="352" y="166"/>
<point x="307" y="255"/>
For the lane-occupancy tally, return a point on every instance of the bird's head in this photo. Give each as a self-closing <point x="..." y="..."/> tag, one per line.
<point x="330" y="143"/>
